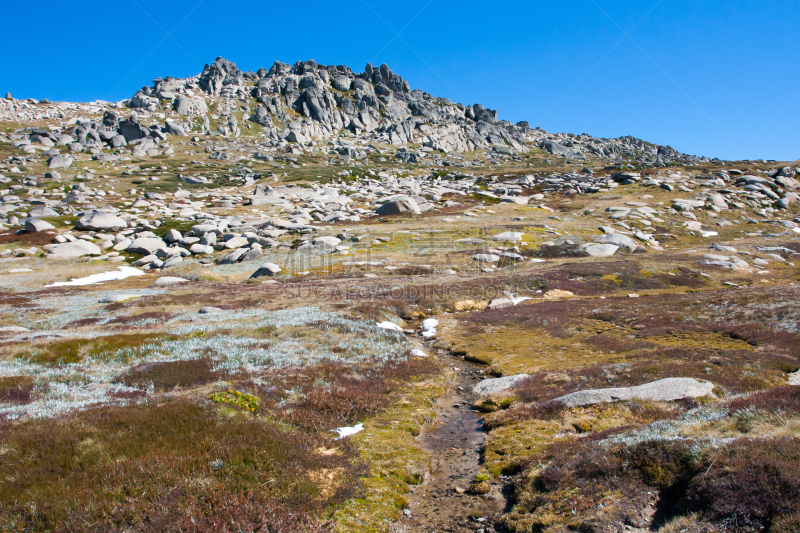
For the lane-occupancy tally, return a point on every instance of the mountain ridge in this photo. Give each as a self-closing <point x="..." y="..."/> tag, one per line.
<point x="309" y="101"/>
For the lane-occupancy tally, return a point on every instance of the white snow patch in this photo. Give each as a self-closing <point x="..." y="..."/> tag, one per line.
<point x="390" y="326"/>
<point x="347" y="431"/>
<point x="709" y="233"/>
<point x="418" y="353"/>
<point x="429" y="327"/>
<point x="124" y="272"/>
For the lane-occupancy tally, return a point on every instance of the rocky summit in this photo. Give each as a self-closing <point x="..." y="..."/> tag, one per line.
<point x="312" y="299"/>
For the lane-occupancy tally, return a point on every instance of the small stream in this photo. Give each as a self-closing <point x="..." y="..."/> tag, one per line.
<point x="456" y="440"/>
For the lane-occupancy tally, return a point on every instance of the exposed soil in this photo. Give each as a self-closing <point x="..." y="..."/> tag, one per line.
<point x="442" y="503"/>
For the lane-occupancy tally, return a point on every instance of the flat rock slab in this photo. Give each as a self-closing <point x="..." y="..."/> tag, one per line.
<point x="509" y="236"/>
<point x="488" y="387"/>
<point x="600" y="250"/>
<point x="71" y="250"/>
<point x="663" y="390"/>
<point x="100" y="220"/>
<point x="118" y="298"/>
<point x="169" y="280"/>
<point x="618" y="240"/>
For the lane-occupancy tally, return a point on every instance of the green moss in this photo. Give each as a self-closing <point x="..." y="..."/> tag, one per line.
<point x="183" y="226"/>
<point x="243" y="401"/>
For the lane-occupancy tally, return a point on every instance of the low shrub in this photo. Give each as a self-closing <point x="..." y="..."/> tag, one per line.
<point x="744" y="487"/>
<point x="173" y="466"/>
<point x="167" y="375"/>
<point x="750" y="484"/>
<point x="16" y="389"/>
<point x="786" y="399"/>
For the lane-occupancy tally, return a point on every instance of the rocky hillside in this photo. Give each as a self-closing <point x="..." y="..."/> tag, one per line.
<point x="309" y="300"/>
<point x="307" y="104"/>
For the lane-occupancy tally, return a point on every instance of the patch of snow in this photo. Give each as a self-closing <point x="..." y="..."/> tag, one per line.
<point x="709" y="233"/>
<point x="515" y="299"/>
<point x="18" y="270"/>
<point x="347" y="431"/>
<point x="390" y="326"/>
<point x="124" y="272"/>
<point x="418" y="353"/>
<point x="429" y="327"/>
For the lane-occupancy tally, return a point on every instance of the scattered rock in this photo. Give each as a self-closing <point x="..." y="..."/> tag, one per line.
<point x="491" y="386"/>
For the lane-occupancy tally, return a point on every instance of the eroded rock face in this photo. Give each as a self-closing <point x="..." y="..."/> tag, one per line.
<point x="185" y="105"/>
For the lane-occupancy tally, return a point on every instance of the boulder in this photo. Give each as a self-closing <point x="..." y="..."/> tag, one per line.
<point x="197" y="249"/>
<point x="173" y="235"/>
<point x="131" y="130"/>
<point x="71" y="250"/>
<point x="60" y="161"/>
<point x="185" y="105"/>
<point x="326" y="243"/>
<point x="236" y="242"/>
<point x="521" y="200"/>
<point x="146" y="260"/>
<point x="42" y="211"/>
<point x="100" y="220"/>
<point x="509" y="236"/>
<point x="486" y="258"/>
<point x="488" y="387"/>
<point x="618" y="239"/>
<point x="267" y="269"/>
<point x="33" y="225"/>
<point x="395" y="207"/>
<point x="172" y="128"/>
<point x="600" y="250"/>
<point x="664" y="390"/>
<point x="146" y="245"/>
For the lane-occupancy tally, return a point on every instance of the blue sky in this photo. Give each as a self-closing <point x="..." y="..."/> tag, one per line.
<point x="707" y="77"/>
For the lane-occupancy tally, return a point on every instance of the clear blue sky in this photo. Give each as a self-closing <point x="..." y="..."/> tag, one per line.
<point x="716" y="78"/>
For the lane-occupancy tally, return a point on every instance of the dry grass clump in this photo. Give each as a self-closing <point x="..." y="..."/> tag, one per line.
<point x="59" y="352"/>
<point x="560" y="250"/>
<point x="25" y="239"/>
<point x="608" y="277"/>
<point x="173" y="466"/>
<point x="783" y="399"/>
<point x="167" y="375"/>
<point x="16" y="390"/>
